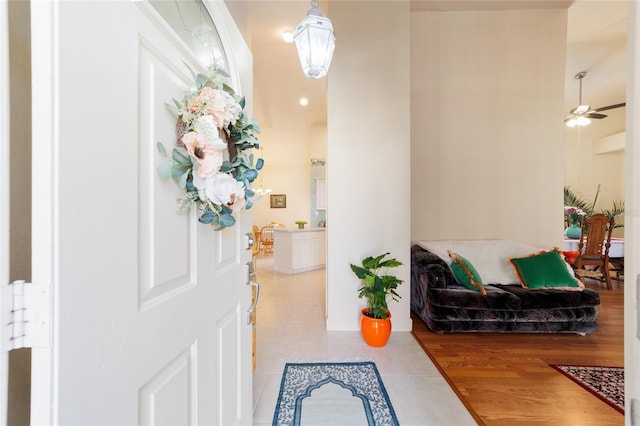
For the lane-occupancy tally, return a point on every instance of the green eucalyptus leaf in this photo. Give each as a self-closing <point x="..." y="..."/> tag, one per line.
<point x="259" y="164"/>
<point x="226" y="166"/>
<point x="181" y="156"/>
<point x="182" y="182"/>
<point x="208" y="217"/>
<point x="164" y="170"/>
<point x="190" y="187"/>
<point x="226" y="220"/>
<point x="250" y="175"/>
<point x="201" y="81"/>
<point x="228" y="88"/>
<point x="161" y="150"/>
<point x="178" y="170"/>
<point x="255" y="126"/>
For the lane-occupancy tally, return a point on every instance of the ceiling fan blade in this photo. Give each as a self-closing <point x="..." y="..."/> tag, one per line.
<point x="608" y="107"/>
<point x="594" y="115"/>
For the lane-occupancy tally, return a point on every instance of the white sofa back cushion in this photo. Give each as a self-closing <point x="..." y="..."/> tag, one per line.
<point x="489" y="257"/>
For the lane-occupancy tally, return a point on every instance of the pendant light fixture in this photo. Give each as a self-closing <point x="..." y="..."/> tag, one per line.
<point x="315" y="42"/>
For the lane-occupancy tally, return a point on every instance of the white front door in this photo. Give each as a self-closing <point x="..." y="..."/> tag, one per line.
<point x="149" y="321"/>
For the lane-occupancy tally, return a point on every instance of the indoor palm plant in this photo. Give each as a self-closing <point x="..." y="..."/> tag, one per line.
<point x="377" y="285"/>
<point x="573" y="199"/>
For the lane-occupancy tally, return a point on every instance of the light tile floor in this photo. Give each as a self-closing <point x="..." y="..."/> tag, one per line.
<point x="291" y="328"/>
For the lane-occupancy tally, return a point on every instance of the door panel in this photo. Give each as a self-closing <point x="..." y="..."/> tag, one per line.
<point x="167" y="249"/>
<point x="167" y="397"/>
<point x="148" y="314"/>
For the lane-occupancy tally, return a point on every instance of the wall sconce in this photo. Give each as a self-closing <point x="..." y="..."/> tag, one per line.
<point x="315" y="42"/>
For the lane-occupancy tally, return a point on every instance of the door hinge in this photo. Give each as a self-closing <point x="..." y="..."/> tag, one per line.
<point x="25" y="319"/>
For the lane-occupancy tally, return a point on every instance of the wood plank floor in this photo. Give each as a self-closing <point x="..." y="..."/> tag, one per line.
<point x="505" y="379"/>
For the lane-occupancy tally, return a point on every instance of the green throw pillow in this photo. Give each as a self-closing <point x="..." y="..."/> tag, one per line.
<point x="465" y="273"/>
<point x="544" y="270"/>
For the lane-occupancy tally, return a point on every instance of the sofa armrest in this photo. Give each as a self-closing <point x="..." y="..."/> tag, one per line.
<point x="428" y="271"/>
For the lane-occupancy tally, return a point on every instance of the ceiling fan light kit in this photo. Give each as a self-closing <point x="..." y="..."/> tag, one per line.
<point x="580" y="121"/>
<point x="581" y="115"/>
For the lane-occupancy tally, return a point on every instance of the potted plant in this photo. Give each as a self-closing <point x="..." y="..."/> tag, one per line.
<point x="375" y="319"/>
<point x="301" y="223"/>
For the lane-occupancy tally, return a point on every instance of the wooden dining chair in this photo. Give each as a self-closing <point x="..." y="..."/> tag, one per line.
<point x="255" y="250"/>
<point x="266" y="239"/>
<point x="593" y="249"/>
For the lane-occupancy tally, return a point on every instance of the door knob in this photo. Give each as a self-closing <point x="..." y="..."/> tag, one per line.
<point x="249" y="240"/>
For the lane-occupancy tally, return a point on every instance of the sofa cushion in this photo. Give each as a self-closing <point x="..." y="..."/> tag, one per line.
<point x="544" y="270"/>
<point x="459" y="297"/>
<point x="490" y="257"/>
<point x="551" y="298"/>
<point x="465" y="273"/>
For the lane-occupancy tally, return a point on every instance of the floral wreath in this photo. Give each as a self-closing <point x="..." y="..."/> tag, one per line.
<point x="212" y="123"/>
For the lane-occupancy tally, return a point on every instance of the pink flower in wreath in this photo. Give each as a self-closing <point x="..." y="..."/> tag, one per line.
<point x="195" y="105"/>
<point x="221" y="106"/>
<point x="208" y="155"/>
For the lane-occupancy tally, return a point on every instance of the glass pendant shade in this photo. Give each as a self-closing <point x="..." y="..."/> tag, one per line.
<point x="315" y="43"/>
<point x="579" y="121"/>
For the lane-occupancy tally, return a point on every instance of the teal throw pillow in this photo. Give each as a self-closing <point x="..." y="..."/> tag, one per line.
<point x="465" y="273"/>
<point x="544" y="270"/>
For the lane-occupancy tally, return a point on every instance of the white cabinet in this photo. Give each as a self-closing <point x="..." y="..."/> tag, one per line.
<point x="299" y="250"/>
<point x="321" y="194"/>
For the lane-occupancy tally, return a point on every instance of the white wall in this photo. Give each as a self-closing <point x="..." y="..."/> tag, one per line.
<point x="487" y="142"/>
<point x="368" y="146"/>
<point x="293" y="180"/>
<point x="289" y="174"/>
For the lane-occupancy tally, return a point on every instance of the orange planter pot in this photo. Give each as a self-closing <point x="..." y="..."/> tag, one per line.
<point x="570" y="256"/>
<point x="375" y="332"/>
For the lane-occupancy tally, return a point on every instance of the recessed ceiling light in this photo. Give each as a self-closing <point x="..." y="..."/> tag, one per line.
<point x="287" y="36"/>
<point x="304" y="101"/>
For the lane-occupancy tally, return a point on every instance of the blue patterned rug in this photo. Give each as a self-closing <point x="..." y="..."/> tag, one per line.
<point x="333" y="393"/>
<point x="607" y="383"/>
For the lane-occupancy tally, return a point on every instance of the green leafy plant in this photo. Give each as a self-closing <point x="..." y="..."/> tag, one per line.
<point x="573" y="199"/>
<point x="375" y="286"/>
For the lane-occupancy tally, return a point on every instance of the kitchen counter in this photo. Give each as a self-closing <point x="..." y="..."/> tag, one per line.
<point x="299" y="250"/>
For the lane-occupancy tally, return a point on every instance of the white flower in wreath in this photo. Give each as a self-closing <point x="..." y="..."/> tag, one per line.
<point x="221" y="189"/>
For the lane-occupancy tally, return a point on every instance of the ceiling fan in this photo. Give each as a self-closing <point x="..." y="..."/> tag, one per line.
<point x="582" y="114"/>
